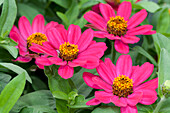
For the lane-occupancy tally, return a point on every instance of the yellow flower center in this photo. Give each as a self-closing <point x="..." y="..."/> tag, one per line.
<point x="117" y="26"/>
<point x="37" y="38"/>
<point x="68" y="52"/>
<point x="122" y="86"/>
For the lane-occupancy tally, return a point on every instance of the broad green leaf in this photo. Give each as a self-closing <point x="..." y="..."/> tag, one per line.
<point x="63" y="3"/>
<point x="36" y="98"/>
<point x="165" y="107"/>
<point x="81" y="86"/>
<point x="27" y="11"/>
<point x="163" y="22"/>
<point x="148" y="5"/>
<point x="61" y="106"/>
<point x="89" y="3"/>
<point x="16" y="69"/>
<point x="144" y="108"/>
<point x="11" y="49"/>
<point x="63" y="18"/>
<point x="81" y="22"/>
<point x="4" y="79"/>
<point x="38" y="84"/>
<point x="60" y="95"/>
<point x="38" y="109"/>
<point x="8" y="16"/>
<point x="164" y="68"/>
<point x="146" y="54"/>
<point x="106" y="109"/>
<point x="11" y="93"/>
<point x="80" y="102"/>
<point x="1" y="1"/>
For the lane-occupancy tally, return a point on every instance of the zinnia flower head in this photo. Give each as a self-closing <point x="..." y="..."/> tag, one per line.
<point x="26" y="35"/>
<point x="122" y="84"/>
<point x="70" y="49"/>
<point x="119" y="27"/>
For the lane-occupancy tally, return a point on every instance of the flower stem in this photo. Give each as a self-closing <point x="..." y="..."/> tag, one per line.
<point x="113" y="52"/>
<point x="159" y="105"/>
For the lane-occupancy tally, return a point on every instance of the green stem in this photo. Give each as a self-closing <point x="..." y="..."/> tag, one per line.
<point x="159" y="105"/>
<point x="113" y="52"/>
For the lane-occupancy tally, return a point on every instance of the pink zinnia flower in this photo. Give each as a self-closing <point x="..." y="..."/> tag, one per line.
<point x="113" y="3"/>
<point x="27" y="34"/>
<point x="122" y="84"/>
<point x="119" y="27"/>
<point x="70" y="49"/>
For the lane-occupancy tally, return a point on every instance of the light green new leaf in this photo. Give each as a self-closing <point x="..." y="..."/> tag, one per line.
<point x="146" y="54"/>
<point x="8" y="16"/>
<point x="63" y="18"/>
<point x="63" y="3"/>
<point x="11" y="49"/>
<point x="164" y="68"/>
<point x="16" y="69"/>
<point x="148" y="5"/>
<point x="11" y="93"/>
<point x="4" y="79"/>
<point x="61" y="106"/>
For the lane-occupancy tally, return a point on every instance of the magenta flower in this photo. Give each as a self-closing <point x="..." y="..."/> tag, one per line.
<point x="27" y="34"/>
<point x="70" y="49"/>
<point x="122" y="84"/>
<point x="119" y="27"/>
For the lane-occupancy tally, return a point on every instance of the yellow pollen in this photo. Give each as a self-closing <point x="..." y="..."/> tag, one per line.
<point x="37" y="38"/>
<point x="122" y="86"/>
<point x="117" y="26"/>
<point x="68" y="52"/>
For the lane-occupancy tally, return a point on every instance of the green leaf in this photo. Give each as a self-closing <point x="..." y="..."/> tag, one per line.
<point x="146" y="54"/>
<point x="38" y="84"/>
<point x="144" y="108"/>
<point x="8" y="16"/>
<point x="36" y="98"/>
<point x="148" y="5"/>
<point x="165" y="106"/>
<point x="163" y="21"/>
<point x="71" y="97"/>
<point x="61" y="106"/>
<point x="81" y="86"/>
<point x="164" y="68"/>
<point x="63" y="18"/>
<point x="16" y="69"/>
<point x="1" y="1"/>
<point x="81" y="22"/>
<point x="27" y="11"/>
<point x="4" y="79"/>
<point x="63" y="3"/>
<point x="106" y="109"/>
<point x="11" y="49"/>
<point x="60" y="95"/>
<point x="11" y="93"/>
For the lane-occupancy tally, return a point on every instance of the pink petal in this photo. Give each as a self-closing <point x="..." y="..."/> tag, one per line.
<point x="111" y="67"/>
<point x="120" y="102"/>
<point x="88" y="80"/>
<point x="85" y="39"/>
<point x="63" y="32"/>
<point x="103" y="96"/>
<point x="12" y="35"/>
<point x="98" y="81"/>
<point x="130" y="39"/>
<point x="124" y="10"/>
<point x="43" y="61"/>
<point x="57" y="61"/>
<point x="149" y="32"/>
<point x="143" y="73"/>
<point x="24" y="27"/>
<point x="95" y="49"/>
<point x="96" y="9"/>
<point x="91" y="61"/>
<point x="148" y="97"/>
<point x="77" y="62"/>
<point x="100" y="34"/>
<point x="39" y="65"/>
<point x="112" y="37"/>
<point x="95" y="19"/>
<point x="93" y="101"/>
<point x="121" y="47"/>
<point x="23" y="59"/>
<point x="41" y="49"/>
<point x="74" y="33"/>
<point x="134" y="98"/>
<point x="91" y="26"/>
<point x="38" y="24"/>
<point x="55" y="37"/>
<point x="129" y="109"/>
<point x="124" y="65"/>
<point x="105" y="72"/>
<point x="139" y="30"/>
<point x="66" y="71"/>
<point x="152" y="84"/>
<point x="136" y="19"/>
<point x="134" y="69"/>
<point x="106" y="11"/>
<point x="53" y="24"/>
